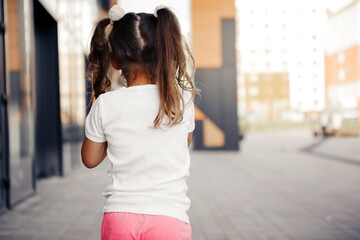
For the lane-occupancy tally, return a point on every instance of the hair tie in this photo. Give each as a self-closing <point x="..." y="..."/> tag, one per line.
<point x="157" y="9"/>
<point x="116" y="13"/>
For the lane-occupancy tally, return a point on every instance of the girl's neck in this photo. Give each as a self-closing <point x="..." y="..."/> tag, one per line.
<point x="140" y="79"/>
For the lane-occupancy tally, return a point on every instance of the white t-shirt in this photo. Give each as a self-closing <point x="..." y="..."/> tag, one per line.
<point x="149" y="166"/>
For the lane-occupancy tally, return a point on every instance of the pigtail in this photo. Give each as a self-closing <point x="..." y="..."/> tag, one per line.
<point x="171" y="67"/>
<point x="99" y="59"/>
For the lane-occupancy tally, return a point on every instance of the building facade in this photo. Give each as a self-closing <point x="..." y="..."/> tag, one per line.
<point x="267" y="93"/>
<point x="281" y="38"/>
<point x="343" y="62"/>
<point x="43" y="91"/>
<point x="213" y="44"/>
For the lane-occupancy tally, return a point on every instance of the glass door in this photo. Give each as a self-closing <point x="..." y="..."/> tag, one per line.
<point x="20" y="110"/>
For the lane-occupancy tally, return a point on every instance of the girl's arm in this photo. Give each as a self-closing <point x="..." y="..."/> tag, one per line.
<point x="93" y="153"/>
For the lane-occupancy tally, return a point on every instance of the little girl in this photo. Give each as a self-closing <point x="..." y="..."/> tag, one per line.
<point x="144" y="128"/>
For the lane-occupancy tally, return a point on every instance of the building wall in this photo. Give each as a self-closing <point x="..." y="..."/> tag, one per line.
<point x="73" y="21"/>
<point x="343" y="60"/>
<point x="343" y="66"/>
<point x="342" y="35"/>
<point x="213" y="32"/>
<point x="206" y="27"/>
<point x="284" y="37"/>
<point x="267" y="94"/>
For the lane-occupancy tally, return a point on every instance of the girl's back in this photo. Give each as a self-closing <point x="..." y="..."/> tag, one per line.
<point x="144" y="128"/>
<point x="149" y="166"/>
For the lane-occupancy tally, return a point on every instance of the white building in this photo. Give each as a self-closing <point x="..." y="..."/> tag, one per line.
<point x="343" y="61"/>
<point x="283" y="36"/>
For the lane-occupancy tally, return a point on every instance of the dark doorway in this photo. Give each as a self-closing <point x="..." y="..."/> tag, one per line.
<point x="48" y="138"/>
<point x="4" y="169"/>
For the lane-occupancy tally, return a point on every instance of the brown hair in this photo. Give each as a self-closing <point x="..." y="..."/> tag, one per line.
<point x="150" y="45"/>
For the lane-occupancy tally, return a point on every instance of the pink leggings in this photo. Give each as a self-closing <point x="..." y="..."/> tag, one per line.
<point x="135" y="226"/>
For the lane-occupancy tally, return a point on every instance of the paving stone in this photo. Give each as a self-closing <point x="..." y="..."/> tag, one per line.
<point x="270" y="190"/>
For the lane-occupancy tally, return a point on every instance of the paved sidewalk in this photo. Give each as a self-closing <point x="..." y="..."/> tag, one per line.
<point x="66" y="208"/>
<point x="270" y="190"/>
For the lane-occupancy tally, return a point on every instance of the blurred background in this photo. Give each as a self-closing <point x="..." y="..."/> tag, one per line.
<point x="276" y="149"/>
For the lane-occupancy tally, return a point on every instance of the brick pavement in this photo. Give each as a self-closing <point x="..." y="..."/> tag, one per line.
<point x="63" y="208"/>
<point x="269" y="190"/>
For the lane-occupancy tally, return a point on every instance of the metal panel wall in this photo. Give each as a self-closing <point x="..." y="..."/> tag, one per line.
<point x="218" y="99"/>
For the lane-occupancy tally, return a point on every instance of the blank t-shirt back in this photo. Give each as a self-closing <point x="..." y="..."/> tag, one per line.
<point x="149" y="166"/>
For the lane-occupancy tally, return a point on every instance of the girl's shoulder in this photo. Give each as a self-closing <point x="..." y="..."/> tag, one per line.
<point x="107" y="98"/>
<point x="112" y="93"/>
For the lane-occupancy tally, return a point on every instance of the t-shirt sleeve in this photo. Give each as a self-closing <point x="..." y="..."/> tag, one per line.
<point x="190" y="112"/>
<point x="191" y="125"/>
<point x="94" y="122"/>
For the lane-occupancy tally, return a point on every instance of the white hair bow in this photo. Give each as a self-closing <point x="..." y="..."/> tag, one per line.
<point x="157" y="9"/>
<point x="116" y="13"/>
